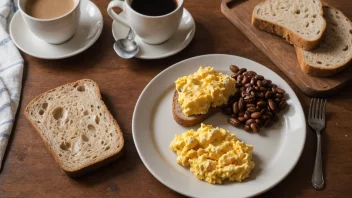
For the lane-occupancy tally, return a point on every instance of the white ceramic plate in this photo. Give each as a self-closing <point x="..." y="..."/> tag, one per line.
<point x="89" y="30"/>
<point x="175" y="44"/>
<point x="276" y="150"/>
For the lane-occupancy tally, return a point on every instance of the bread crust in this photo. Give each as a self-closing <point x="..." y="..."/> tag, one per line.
<point x="188" y="121"/>
<point x="94" y="164"/>
<point x="288" y="35"/>
<point x="321" y="71"/>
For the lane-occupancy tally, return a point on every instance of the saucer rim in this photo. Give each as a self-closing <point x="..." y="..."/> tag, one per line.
<point x="170" y="53"/>
<point x="69" y="54"/>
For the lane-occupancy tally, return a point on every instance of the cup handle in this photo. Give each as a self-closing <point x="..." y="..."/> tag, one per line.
<point x="112" y="13"/>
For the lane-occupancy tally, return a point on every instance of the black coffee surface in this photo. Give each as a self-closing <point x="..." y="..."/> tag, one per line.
<point x="154" y="7"/>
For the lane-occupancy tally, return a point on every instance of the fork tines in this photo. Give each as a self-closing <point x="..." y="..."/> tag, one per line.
<point x="317" y="108"/>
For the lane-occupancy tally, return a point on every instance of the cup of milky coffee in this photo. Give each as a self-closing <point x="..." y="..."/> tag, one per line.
<point x="154" y="21"/>
<point x="54" y="21"/>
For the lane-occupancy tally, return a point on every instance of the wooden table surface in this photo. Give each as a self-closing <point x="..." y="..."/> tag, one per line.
<point x="30" y="171"/>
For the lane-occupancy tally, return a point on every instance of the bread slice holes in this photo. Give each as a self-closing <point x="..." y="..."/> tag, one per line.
<point x="314" y="16"/>
<point x="100" y="114"/>
<point x="71" y="122"/>
<point x="274" y="14"/>
<point x="102" y="142"/>
<point x="98" y="107"/>
<point x="81" y="88"/>
<point x="88" y="156"/>
<point x="110" y="134"/>
<point x="297" y="11"/>
<point x="65" y="145"/>
<point x="38" y="122"/>
<point x="306" y="16"/>
<point x="85" y="112"/>
<point x="313" y="21"/>
<point x="60" y="155"/>
<point x="84" y="138"/>
<point x="319" y="62"/>
<point x="94" y="157"/>
<point x="345" y="48"/>
<point x="45" y="105"/>
<point x="97" y="120"/>
<point x="337" y="17"/>
<point x="66" y="121"/>
<point x="318" y="32"/>
<point x="91" y="128"/>
<point x="307" y="24"/>
<point x="351" y="31"/>
<point x="41" y="112"/>
<point x="58" y="113"/>
<point x="107" y="148"/>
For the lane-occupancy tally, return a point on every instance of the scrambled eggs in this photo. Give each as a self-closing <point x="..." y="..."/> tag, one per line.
<point x="204" y="89"/>
<point x="213" y="154"/>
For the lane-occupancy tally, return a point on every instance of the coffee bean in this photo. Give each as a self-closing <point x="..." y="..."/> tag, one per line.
<point x="242" y="70"/>
<point x="278" y="95"/>
<point x="239" y="78"/>
<point x="271" y="85"/>
<point x="255" y="127"/>
<point x="268" y="112"/>
<point x="273" y="89"/>
<point x="264" y="117"/>
<point x="268" y="94"/>
<point x="235" y="107"/>
<point x="234" y="76"/>
<point x="272" y="105"/>
<point x="250" y="121"/>
<point x="256" y="88"/>
<point x="240" y="114"/>
<point x="268" y="123"/>
<point x="247" y="128"/>
<point x="235" y="122"/>
<point x="227" y="111"/>
<point x="253" y="82"/>
<point x="256" y="115"/>
<point x="277" y="100"/>
<point x="252" y="94"/>
<point x="279" y="90"/>
<point x="261" y="104"/>
<point x="251" y="109"/>
<point x="243" y="93"/>
<point x="238" y="85"/>
<point x="247" y="115"/>
<point x="251" y="73"/>
<point x="245" y="80"/>
<point x="250" y="105"/>
<point x="241" y="104"/>
<point x="259" y="77"/>
<point x="247" y="85"/>
<point x="241" y="119"/>
<point x="283" y="105"/>
<point x="263" y="89"/>
<point x="234" y="68"/>
<point x="266" y="82"/>
<point x="259" y="83"/>
<point x="257" y="109"/>
<point x="245" y="73"/>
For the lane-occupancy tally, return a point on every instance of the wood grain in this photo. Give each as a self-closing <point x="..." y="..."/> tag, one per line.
<point x="30" y="171"/>
<point x="239" y="12"/>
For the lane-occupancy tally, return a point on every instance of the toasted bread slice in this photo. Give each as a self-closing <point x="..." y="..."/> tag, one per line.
<point x="188" y="121"/>
<point x="334" y="53"/>
<point x="300" y="22"/>
<point x="76" y="127"/>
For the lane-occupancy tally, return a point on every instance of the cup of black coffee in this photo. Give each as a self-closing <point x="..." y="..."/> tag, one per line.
<point x="154" y="21"/>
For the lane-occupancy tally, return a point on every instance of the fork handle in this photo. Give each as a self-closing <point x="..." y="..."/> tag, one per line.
<point x="317" y="178"/>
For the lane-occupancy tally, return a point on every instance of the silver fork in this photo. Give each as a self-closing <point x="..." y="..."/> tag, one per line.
<point x="316" y="120"/>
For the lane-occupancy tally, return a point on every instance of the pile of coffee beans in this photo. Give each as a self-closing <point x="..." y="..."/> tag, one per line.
<point x="256" y="103"/>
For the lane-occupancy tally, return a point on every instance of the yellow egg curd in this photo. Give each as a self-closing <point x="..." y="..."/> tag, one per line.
<point x="213" y="154"/>
<point x="204" y="89"/>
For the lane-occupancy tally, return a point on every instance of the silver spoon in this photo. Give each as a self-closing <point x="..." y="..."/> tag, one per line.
<point x="126" y="48"/>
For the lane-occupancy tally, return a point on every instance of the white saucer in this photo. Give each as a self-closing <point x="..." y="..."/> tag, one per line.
<point x="89" y="30"/>
<point x="175" y="44"/>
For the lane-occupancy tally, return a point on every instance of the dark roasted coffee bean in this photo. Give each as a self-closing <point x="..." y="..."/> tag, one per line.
<point x="245" y="73"/>
<point x="239" y="78"/>
<point x="241" y="104"/>
<point x="256" y="115"/>
<point x="227" y="111"/>
<point x="234" y="68"/>
<point x="259" y="122"/>
<point x="253" y="82"/>
<point x="240" y="114"/>
<point x="234" y="76"/>
<point x="277" y="100"/>
<point x="273" y="89"/>
<point x="235" y="107"/>
<point x="268" y="94"/>
<point x="235" y="122"/>
<point x="252" y="94"/>
<point x="257" y="109"/>
<point x="278" y="95"/>
<point x="250" y="105"/>
<point x="245" y="80"/>
<point x="251" y="109"/>
<point x="273" y="105"/>
<point x="251" y="73"/>
<point x="259" y="83"/>
<point x="260" y="95"/>
<point x="268" y="123"/>
<point x="238" y="85"/>
<point x="250" y="121"/>
<point x="269" y="113"/>
<point x="241" y="119"/>
<point x="275" y="118"/>
<point x="283" y="105"/>
<point x="263" y="89"/>
<point x="263" y="111"/>
<point x="266" y="82"/>
<point x="242" y="88"/>
<point x="247" y="85"/>
<point x="261" y="104"/>
<point x="259" y="77"/>
<point x="255" y="127"/>
<point x="271" y="85"/>
<point x="247" y="128"/>
<point x="246" y="98"/>
<point x="279" y="90"/>
<point x="247" y="115"/>
<point x="242" y="70"/>
<point x="243" y="93"/>
<point x="264" y="117"/>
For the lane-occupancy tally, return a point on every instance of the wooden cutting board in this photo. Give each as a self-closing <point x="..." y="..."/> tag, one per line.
<point x="281" y="53"/>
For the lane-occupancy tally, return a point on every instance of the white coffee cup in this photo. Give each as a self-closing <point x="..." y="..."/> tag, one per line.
<point x="151" y="29"/>
<point x="54" y="31"/>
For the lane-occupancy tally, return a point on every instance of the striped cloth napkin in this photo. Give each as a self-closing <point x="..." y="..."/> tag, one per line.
<point x="11" y="68"/>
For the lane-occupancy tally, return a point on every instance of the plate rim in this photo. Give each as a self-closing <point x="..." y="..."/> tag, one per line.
<point x="92" y="41"/>
<point x="273" y="184"/>
<point x="167" y="54"/>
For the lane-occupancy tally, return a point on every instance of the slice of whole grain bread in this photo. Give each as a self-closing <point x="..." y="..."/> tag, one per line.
<point x="334" y="53"/>
<point x="193" y="120"/>
<point x="76" y="127"/>
<point x="300" y="22"/>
